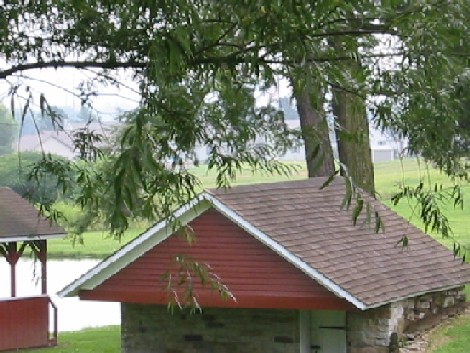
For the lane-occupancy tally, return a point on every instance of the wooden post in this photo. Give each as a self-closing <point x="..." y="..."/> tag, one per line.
<point x="42" y="244"/>
<point x="12" y="258"/>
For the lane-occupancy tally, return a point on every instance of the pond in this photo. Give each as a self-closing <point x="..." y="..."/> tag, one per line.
<point x="74" y="314"/>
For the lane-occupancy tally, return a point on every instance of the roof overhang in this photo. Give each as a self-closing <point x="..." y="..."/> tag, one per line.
<point x="417" y="294"/>
<point x="19" y="238"/>
<point x="183" y="216"/>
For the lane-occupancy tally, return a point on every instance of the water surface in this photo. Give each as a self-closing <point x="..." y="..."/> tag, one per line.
<point x="74" y="314"/>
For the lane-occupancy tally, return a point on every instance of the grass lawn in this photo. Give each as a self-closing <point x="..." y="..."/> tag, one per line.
<point x="96" y="244"/>
<point x="105" y="339"/>
<point x="453" y="337"/>
<point x="390" y="174"/>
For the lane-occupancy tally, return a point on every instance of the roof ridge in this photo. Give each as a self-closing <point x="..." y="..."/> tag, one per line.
<point x="274" y="185"/>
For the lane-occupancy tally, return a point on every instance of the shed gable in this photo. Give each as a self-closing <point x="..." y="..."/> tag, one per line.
<point x="255" y="275"/>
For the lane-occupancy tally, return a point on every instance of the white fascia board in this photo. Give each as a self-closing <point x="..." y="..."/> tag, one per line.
<point x="286" y="254"/>
<point x="19" y="238"/>
<point x="136" y="248"/>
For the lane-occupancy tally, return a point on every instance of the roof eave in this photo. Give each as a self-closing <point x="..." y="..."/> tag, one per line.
<point x="417" y="294"/>
<point x="18" y="238"/>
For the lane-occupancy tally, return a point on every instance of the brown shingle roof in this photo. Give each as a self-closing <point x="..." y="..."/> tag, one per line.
<point x="309" y="223"/>
<point x="19" y="220"/>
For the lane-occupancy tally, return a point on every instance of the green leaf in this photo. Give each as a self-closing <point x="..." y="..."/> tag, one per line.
<point x="329" y="180"/>
<point x="403" y="241"/>
<point x="357" y="209"/>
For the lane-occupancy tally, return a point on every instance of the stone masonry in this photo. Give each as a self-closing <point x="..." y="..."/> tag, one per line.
<point x="153" y="329"/>
<point x="385" y="329"/>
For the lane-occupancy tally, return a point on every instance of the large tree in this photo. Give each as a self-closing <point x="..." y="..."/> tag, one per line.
<point x="315" y="130"/>
<point x="198" y="63"/>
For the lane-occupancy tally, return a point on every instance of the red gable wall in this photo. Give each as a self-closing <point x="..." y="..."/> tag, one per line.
<point x="255" y="275"/>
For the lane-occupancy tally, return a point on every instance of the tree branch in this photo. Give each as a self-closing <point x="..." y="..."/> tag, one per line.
<point x="230" y="59"/>
<point x="73" y="64"/>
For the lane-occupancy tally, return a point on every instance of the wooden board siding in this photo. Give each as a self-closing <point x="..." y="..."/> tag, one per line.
<point x="24" y="323"/>
<point x="255" y="275"/>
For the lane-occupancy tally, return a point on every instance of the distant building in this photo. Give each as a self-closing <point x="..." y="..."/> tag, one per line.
<point x="385" y="147"/>
<point x="61" y="142"/>
<point x="297" y="152"/>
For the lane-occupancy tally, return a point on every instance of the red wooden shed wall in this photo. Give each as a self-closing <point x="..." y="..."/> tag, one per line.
<point x="255" y="275"/>
<point x="24" y="322"/>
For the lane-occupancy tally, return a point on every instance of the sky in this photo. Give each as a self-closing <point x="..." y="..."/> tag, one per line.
<point x="61" y="86"/>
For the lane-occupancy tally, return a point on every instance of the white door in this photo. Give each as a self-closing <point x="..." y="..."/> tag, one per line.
<point x="323" y="331"/>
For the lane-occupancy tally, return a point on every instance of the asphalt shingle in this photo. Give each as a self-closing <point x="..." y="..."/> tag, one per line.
<point x="18" y="218"/>
<point x="309" y="222"/>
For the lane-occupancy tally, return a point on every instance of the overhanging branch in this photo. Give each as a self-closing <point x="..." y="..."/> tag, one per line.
<point x="71" y="64"/>
<point x="236" y="58"/>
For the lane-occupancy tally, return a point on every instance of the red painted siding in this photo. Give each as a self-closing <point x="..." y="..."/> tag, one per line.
<point x="24" y="323"/>
<point x="256" y="275"/>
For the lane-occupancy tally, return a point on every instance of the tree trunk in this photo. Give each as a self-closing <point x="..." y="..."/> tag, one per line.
<point x="352" y="135"/>
<point x="315" y="133"/>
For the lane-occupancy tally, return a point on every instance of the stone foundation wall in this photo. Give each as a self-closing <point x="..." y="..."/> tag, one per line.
<point x="153" y="329"/>
<point x="384" y="329"/>
<point x="429" y="308"/>
<point x="369" y="331"/>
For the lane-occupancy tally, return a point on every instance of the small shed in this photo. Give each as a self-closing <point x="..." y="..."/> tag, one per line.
<point x="304" y="277"/>
<point x="24" y="322"/>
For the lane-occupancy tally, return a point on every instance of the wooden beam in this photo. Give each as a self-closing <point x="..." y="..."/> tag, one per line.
<point x="12" y="258"/>
<point x="43" y="258"/>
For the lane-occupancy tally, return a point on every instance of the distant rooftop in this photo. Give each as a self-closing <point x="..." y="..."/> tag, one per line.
<point x="20" y="221"/>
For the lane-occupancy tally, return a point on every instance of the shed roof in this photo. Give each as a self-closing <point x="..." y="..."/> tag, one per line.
<point x="20" y="221"/>
<point x="305" y="224"/>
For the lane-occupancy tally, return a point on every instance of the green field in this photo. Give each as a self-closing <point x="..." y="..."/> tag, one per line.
<point x="96" y="244"/>
<point x="452" y="337"/>
<point x="388" y="176"/>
